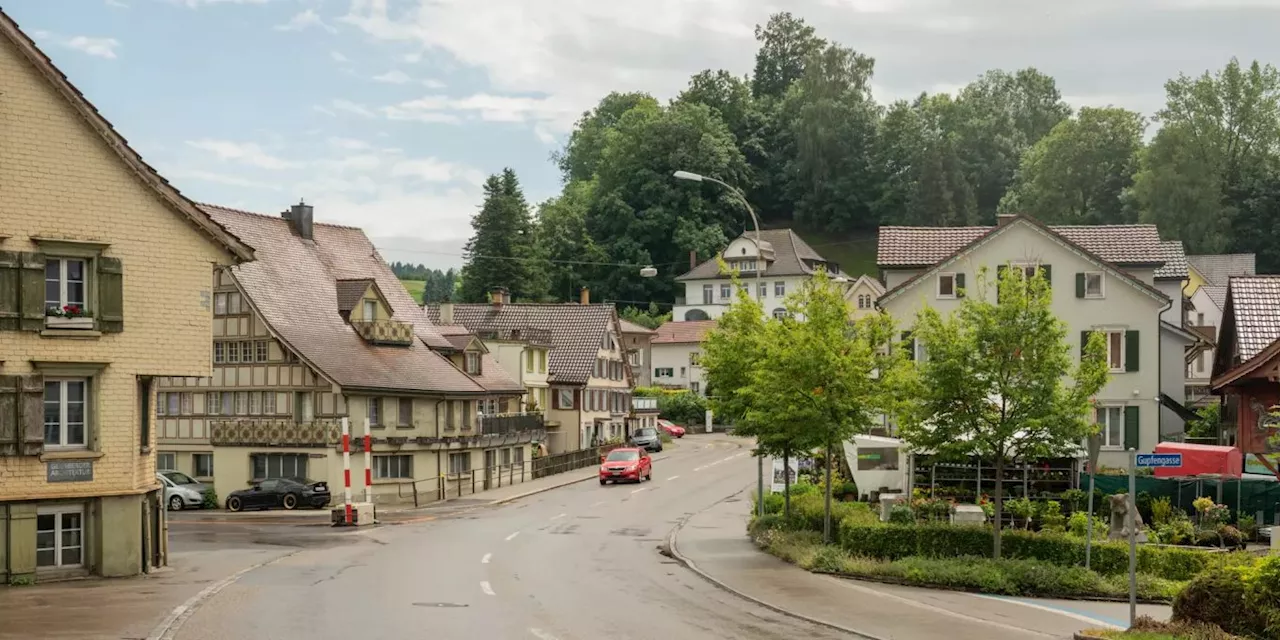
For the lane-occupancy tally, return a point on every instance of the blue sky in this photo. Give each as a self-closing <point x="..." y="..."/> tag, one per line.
<point x="388" y="114"/>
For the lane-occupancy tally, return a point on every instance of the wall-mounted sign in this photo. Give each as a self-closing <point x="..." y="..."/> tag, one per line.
<point x="69" y="471"/>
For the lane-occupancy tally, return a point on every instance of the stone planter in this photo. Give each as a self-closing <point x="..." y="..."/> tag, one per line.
<point x="61" y="322"/>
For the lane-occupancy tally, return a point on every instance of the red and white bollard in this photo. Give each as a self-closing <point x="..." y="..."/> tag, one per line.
<point x="368" y="464"/>
<point x="346" y="464"/>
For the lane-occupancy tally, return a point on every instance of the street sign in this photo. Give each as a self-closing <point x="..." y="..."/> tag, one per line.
<point x="1159" y="460"/>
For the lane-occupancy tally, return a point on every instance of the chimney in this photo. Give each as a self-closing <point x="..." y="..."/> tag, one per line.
<point x="299" y="217"/>
<point x="446" y="313"/>
<point x="693" y="259"/>
<point x="499" y="296"/>
<point x="1004" y="218"/>
<point x="584" y="296"/>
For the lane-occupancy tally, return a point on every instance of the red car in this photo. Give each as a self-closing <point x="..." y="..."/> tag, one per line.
<point x="626" y="463"/>
<point x="674" y="430"/>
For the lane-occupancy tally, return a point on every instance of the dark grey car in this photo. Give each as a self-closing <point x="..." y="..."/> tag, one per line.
<point x="647" y="438"/>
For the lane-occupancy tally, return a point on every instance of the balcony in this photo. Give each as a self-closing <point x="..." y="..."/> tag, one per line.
<point x="274" y="433"/>
<point x="644" y="404"/>
<point x="386" y="332"/>
<point x="509" y="423"/>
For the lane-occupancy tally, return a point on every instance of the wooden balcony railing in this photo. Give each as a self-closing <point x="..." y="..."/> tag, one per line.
<point x="273" y="433"/>
<point x="390" y="332"/>
<point x="508" y="423"/>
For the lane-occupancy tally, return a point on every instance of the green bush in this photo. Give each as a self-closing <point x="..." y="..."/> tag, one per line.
<point x="683" y="407"/>
<point x="1248" y="526"/>
<point x="1078" y="524"/>
<point x="1050" y="515"/>
<point x="210" y="499"/>
<point x="1262" y="594"/>
<point x="1076" y="499"/>
<point x="1177" y="531"/>
<point x="901" y="514"/>
<point x="1218" y="596"/>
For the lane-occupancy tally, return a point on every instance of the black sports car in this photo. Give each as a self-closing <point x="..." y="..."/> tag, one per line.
<point x="289" y="493"/>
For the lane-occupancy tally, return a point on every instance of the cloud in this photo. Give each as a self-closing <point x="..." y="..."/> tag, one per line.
<point x="97" y="47"/>
<point x="195" y="4"/>
<point x="338" y="57"/>
<point x="436" y="170"/>
<point x="116" y="4"/>
<point x="225" y="179"/>
<point x="248" y="153"/>
<point x="547" y="112"/>
<point x="305" y="19"/>
<point x="348" y="144"/>
<point x="433" y="84"/>
<point x="347" y="106"/>
<point x="395" y="76"/>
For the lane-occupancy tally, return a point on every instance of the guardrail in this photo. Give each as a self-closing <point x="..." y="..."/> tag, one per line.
<point x="473" y="481"/>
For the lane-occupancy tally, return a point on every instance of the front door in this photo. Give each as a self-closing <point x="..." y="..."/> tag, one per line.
<point x="490" y="467"/>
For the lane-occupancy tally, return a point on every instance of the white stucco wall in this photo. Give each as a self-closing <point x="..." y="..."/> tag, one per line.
<point x="676" y="358"/>
<point x="693" y="295"/>
<point x="1173" y="381"/>
<point x="1212" y="318"/>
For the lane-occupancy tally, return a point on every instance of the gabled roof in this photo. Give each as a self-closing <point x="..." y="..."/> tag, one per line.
<point x="1217" y="294"/>
<point x="167" y="194"/>
<point x="293" y="286"/>
<point x="1253" y="308"/>
<point x="1217" y="268"/>
<point x="869" y="282"/>
<point x="1127" y="244"/>
<point x="688" y="332"/>
<point x="631" y="327"/>
<point x="350" y="292"/>
<point x="790" y="252"/>
<point x="576" y="330"/>
<point x="1175" y="261"/>
<point x="1052" y="233"/>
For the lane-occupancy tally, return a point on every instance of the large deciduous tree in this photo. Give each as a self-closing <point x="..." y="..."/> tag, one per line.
<point x="569" y="255"/>
<point x="997" y="380"/>
<point x="1078" y="173"/>
<point x="501" y="252"/>
<point x="786" y="43"/>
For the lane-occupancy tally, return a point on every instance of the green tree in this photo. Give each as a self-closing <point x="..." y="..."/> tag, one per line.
<point x="650" y="318"/>
<point x="997" y="380"/>
<point x="1178" y="190"/>
<point x="500" y="253"/>
<point x="1208" y="422"/>
<point x="590" y="137"/>
<point x="563" y="245"/>
<point x="786" y="43"/>
<point x="820" y="379"/>
<point x="1078" y="173"/>
<point x="923" y="178"/>
<point x="1255" y="223"/>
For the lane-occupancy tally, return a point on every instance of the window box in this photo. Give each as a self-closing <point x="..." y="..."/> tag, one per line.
<point x="65" y="322"/>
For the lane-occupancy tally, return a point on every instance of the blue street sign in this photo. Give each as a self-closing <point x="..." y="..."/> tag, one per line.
<point x="1159" y="459"/>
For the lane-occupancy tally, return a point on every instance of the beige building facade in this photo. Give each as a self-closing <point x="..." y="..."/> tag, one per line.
<point x="105" y="286"/>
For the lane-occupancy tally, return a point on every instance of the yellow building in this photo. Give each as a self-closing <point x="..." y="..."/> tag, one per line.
<point x="862" y="296"/>
<point x="316" y="329"/>
<point x="105" y="276"/>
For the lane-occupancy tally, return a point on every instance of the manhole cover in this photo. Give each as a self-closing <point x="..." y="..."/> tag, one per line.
<point x="439" y="605"/>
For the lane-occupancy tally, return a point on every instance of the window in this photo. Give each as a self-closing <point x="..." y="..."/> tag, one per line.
<point x="202" y="464"/>
<point x="694" y="358"/>
<point x="506" y="457"/>
<point x="233" y="352"/>
<point x="1200" y="361"/>
<point x="219" y="353"/>
<point x="708" y="293"/>
<point x="64" y="282"/>
<point x="161" y="404"/>
<point x="404" y="413"/>
<point x="473" y="363"/>
<point x="212" y="403"/>
<point x="228" y="402"/>
<point x="725" y="291"/>
<point x="779" y="289"/>
<point x="64" y="412"/>
<point x="1111" y="426"/>
<point x="233" y="303"/>
<point x="634" y="358"/>
<point x="1199" y="319"/>
<point x="460" y="463"/>
<point x="450" y="422"/>
<point x="764" y="291"/>
<point x="779" y="313"/>
<point x="393" y="466"/>
<point x="370" y="310"/>
<point x="219" y="304"/>
<point x="187" y="408"/>
<point x="682" y="370"/>
<point x="166" y="461"/>
<point x="1028" y="269"/>
<point x="564" y="398"/>
<point x="1115" y="350"/>
<point x="466" y="414"/>
<point x="255" y="403"/>
<point x="279" y="465"/>
<point x="663" y="372"/>
<point x="542" y="361"/>
<point x="946" y="285"/>
<point x="1093" y="285"/>
<point x="144" y="413"/>
<point x="375" y="411"/>
<point x="261" y="351"/>
<point x="269" y="403"/>
<point x="60" y="536"/>
<point x="242" y="403"/>
<point x="518" y="455"/>
<point x="246" y="351"/>
<point x="695" y="387"/>
<point x="877" y="459"/>
<point x="864" y="301"/>
<point x="528" y="365"/>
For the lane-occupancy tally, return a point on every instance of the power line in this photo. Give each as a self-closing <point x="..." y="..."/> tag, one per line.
<point x="518" y="259"/>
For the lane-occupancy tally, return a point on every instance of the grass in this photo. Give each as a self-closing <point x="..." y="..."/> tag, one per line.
<point x="854" y="252"/>
<point x="1146" y="628"/>
<point x="415" y="288"/>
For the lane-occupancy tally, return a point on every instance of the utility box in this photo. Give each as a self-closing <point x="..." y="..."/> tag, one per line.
<point x="968" y="514"/>
<point x="887" y="503"/>
<point x="362" y="514"/>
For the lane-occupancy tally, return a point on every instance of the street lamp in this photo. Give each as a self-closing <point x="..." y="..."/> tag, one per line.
<point x="696" y="177"/>
<point x="648" y="272"/>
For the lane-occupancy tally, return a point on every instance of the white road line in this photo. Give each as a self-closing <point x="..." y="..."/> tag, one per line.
<point x="559" y="516"/>
<point x="485" y="559"/>
<point x="672" y="478"/>
<point x="541" y="635"/>
<point x="486" y="588"/>
<point x="512" y="536"/>
<point x="639" y="490"/>
<point x="924" y="605"/>
<point x="1070" y="614"/>
<point x="596" y="504"/>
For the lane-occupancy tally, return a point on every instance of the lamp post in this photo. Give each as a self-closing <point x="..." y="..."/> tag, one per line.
<point x="755" y="222"/>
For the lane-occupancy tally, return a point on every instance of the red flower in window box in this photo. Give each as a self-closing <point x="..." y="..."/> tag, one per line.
<point x="72" y="311"/>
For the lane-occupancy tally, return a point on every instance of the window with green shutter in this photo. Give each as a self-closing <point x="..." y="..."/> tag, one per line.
<point x="1132" y="426"/>
<point x="960" y="285"/>
<point x="1131" y="351"/>
<point x="110" y="295"/>
<point x="22" y="415"/>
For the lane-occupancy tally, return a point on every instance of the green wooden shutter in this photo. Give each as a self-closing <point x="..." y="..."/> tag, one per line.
<point x="1084" y="341"/>
<point x="10" y="291"/>
<point x="1131" y="427"/>
<point x="1131" y="351"/>
<point x="1079" y="285"/>
<point x="110" y="311"/>
<point x="31" y="407"/>
<point x="9" y="416"/>
<point x="1000" y="269"/>
<point x="959" y="285"/>
<point x="31" y="297"/>
<point x="909" y="344"/>
<point x="1048" y="274"/>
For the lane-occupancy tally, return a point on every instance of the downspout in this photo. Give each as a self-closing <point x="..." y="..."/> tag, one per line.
<point x="8" y="542"/>
<point x="1160" y="374"/>
<point x="440" y="485"/>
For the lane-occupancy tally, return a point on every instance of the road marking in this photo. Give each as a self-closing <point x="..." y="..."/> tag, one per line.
<point x="486" y="588"/>
<point x="512" y="536"/>
<point x="1062" y="611"/>
<point x="941" y="610"/>
<point x="541" y="635"/>
<point x="596" y="504"/>
<point x="639" y="490"/>
<point x="559" y="516"/>
<point x="672" y="478"/>
<point x="485" y="559"/>
<point x="169" y="627"/>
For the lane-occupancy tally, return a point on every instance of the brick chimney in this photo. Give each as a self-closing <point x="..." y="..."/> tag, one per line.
<point x="584" y="296"/>
<point x="693" y="259"/>
<point x="446" y="313"/>
<point x="499" y="296"/>
<point x="1004" y="218"/>
<point x="300" y="218"/>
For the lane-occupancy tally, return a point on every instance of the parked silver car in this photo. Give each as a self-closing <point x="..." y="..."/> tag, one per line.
<point x="181" y="491"/>
<point x="647" y="438"/>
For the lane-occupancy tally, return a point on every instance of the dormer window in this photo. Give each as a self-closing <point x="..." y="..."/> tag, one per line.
<point x="370" y="310"/>
<point x="472" y="363"/>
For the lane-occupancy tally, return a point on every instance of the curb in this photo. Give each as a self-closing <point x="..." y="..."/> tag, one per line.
<point x="176" y="618"/>
<point x="673" y="548"/>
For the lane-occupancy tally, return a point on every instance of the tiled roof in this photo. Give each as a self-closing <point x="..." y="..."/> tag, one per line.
<point x="293" y="285"/>
<point x="1255" y="305"/>
<point x="350" y="292"/>
<point x="926" y="246"/>
<point x="631" y="327"/>
<point x="1218" y="294"/>
<point x="167" y="193"/>
<point x="684" y="332"/>
<point x="576" y="330"/>
<point x="789" y="254"/>
<point x="1217" y="268"/>
<point x="1175" y="261"/>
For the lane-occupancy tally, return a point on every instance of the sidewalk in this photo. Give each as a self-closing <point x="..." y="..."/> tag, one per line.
<point x="714" y="544"/>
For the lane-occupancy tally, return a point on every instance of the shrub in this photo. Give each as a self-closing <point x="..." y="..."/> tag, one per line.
<point x="1248" y="526"/>
<point x="1050" y="514"/>
<point x="1161" y="511"/>
<point x="1021" y="509"/>
<point x="210" y="499"/>
<point x="1177" y="531"/>
<point x="682" y="407"/>
<point x="1217" y="597"/>
<point x="847" y="488"/>
<point x="1078" y="524"/>
<point x="1262" y="594"/>
<point x="1075" y="499"/>
<point x="901" y="514"/>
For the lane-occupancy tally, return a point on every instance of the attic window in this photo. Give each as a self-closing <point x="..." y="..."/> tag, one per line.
<point x="370" y="310"/>
<point x="473" y="363"/>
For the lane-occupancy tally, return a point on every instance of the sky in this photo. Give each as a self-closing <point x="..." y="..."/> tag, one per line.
<point x="389" y="114"/>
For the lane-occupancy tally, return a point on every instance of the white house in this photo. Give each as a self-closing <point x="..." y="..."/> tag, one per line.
<point x="862" y="296"/>
<point x="676" y="350"/>
<point x="1206" y="288"/>
<point x="786" y="260"/>
<point x="1120" y="280"/>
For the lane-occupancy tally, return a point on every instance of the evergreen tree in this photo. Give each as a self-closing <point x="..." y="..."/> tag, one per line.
<point x="500" y="253"/>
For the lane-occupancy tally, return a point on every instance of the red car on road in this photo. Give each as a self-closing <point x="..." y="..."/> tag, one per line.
<point x="674" y="430"/>
<point x="631" y="464"/>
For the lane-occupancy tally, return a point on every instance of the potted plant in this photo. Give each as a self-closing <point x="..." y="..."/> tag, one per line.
<point x="71" y="316"/>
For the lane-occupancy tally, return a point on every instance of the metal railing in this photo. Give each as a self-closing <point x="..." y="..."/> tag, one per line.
<point x="465" y="483"/>
<point x="504" y="423"/>
<point x="568" y="461"/>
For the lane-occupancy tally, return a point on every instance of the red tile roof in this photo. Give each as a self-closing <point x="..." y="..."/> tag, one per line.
<point x="1254" y="303"/>
<point x="925" y="246"/>
<point x="791" y="255"/>
<point x="693" y="331"/>
<point x="1175" y="261"/>
<point x="631" y="327"/>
